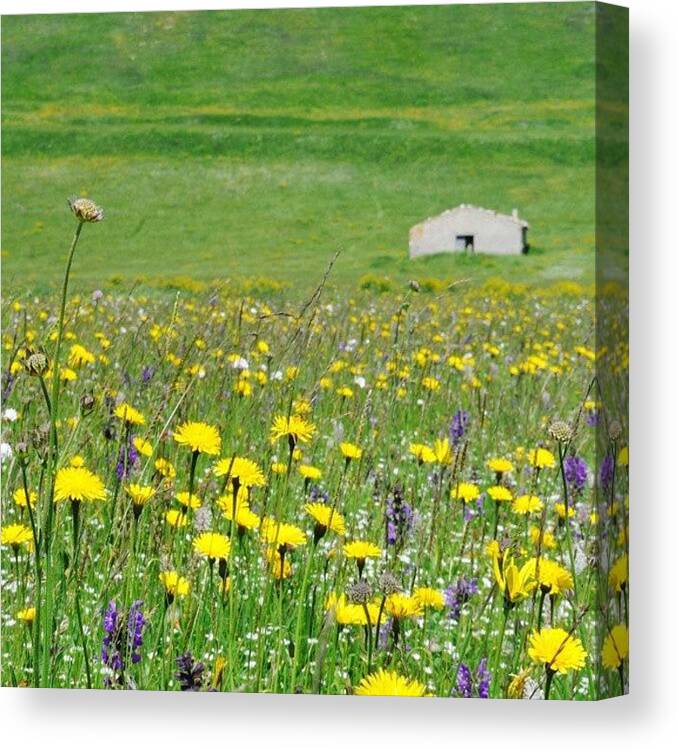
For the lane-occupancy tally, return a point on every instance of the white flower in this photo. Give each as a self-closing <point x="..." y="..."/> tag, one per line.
<point x="6" y="452"/>
<point x="240" y="364"/>
<point x="277" y="375"/>
<point x="10" y="415"/>
<point x="360" y="381"/>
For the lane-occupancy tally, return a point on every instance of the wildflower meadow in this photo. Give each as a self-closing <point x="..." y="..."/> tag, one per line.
<point x="413" y="491"/>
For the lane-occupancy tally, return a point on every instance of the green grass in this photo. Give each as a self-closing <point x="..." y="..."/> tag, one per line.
<point x="238" y="143"/>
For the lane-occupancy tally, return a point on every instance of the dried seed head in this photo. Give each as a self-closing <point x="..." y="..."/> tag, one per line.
<point x="389" y="584"/>
<point x="86" y="210"/>
<point x="615" y="430"/>
<point x="36" y="363"/>
<point x="359" y="592"/>
<point x="560" y="431"/>
<point x="87" y="403"/>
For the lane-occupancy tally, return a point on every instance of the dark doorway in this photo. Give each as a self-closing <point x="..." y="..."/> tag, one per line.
<point x="464" y="242"/>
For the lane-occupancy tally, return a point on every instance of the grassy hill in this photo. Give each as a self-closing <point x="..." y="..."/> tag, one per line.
<point x="260" y="142"/>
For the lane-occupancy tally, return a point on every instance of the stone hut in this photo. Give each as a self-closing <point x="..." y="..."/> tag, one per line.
<point x="472" y="229"/>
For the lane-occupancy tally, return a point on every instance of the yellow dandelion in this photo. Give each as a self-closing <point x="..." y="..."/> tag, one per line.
<point x="174" y="584"/>
<point x="78" y="485"/>
<point x="422" y="453"/>
<point x="165" y="468"/>
<point x="429" y="598"/>
<point x="527" y="504"/>
<point x="615" y="647"/>
<point x="541" y="458"/>
<point x="559" y="650"/>
<point x="143" y="447"/>
<point x="242" y="471"/>
<point x="16" y="535"/>
<point x="386" y="682"/>
<point x="500" y="466"/>
<point x="282" y="534"/>
<point x="26" y="615"/>
<point x="500" y="494"/>
<point x="199" y="437"/>
<point x="310" y="473"/>
<point x="189" y="501"/>
<point x="129" y="414"/>
<point x="350" y="451"/>
<point x="20" y="499"/>
<point x="212" y="545"/>
<point x="400" y="606"/>
<point x="465" y="491"/>
<point x="619" y="573"/>
<point x="176" y="518"/>
<point x="326" y="518"/>
<point x="295" y="428"/>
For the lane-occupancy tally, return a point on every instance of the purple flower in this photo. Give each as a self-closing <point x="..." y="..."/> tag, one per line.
<point x="607" y="472"/>
<point x="592" y="418"/>
<point x="464" y="681"/>
<point x="146" y="374"/>
<point x="135" y="629"/>
<point x="123" y="638"/>
<point x="458" y="427"/>
<point x="400" y="518"/>
<point x="576" y="473"/>
<point x="483" y="676"/>
<point x="189" y="673"/>
<point x="128" y="457"/>
<point x="458" y="594"/>
<point x="478" y="685"/>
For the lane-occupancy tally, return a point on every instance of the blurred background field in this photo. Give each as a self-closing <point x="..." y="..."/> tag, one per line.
<point x="226" y="144"/>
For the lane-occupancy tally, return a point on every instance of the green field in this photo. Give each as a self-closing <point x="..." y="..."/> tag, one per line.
<point x="237" y="143"/>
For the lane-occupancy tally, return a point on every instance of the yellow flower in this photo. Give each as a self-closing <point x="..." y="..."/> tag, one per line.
<point x="26" y="615"/>
<point x="175" y="585"/>
<point x="513" y="582"/>
<point x="278" y="467"/>
<point x="189" y="501"/>
<point x="616" y="647"/>
<point x="282" y="534"/>
<point x="212" y="545"/>
<point x="623" y="457"/>
<point x="500" y="465"/>
<point x="20" y="497"/>
<point x="465" y="491"/>
<point x="429" y="598"/>
<point x="78" y="484"/>
<point x="493" y="550"/>
<point x="401" y="605"/>
<point x="309" y="472"/>
<point x="557" y="649"/>
<point x="553" y="577"/>
<point x="279" y="567"/>
<point x="176" y="518"/>
<point x="129" y="414"/>
<point x="295" y="428"/>
<point x="547" y="539"/>
<point x="443" y="451"/>
<point x="351" y="614"/>
<point x="326" y="517"/>
<point x="79" y="356"/>
<point x="560" y="510"/>
<point x="499" y="493"/>
<point x="16" y="535"/>
<point x="242" y="470"/>
<point x="619" y="573"/>
<point x="527" y="504"/>
<point x="350" y="451"/>
<point x="199" y="437"/>
<point x="77" y="462"/>
<point x="143" y="446"/>
<point x="245" y="518"/>
<point x="140" y="493"/>
<point x="359" y="550"/>
<point x="541" y="458"/>
<point x="422" y="453"/>
<point x="390" y="683"/>
<point x="165" y="468"/>
<point x="516" y="688"/>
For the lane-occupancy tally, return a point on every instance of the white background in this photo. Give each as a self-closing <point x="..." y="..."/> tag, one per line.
<point x="647" y="718"/>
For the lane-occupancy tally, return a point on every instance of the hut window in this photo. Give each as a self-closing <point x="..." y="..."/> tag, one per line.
<point x="463" y="242"/>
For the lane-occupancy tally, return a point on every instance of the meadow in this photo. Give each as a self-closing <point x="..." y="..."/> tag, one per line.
<point x="239" y="144"/>
<point x="391" y="494"/>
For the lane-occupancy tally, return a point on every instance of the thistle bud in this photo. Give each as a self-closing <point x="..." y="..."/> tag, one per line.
<point x="359" y="592"/>
<point x="86" y="210"/>
<point x="560" y="431"/>
<point x="36" y="363"/>
<point x="388" y="584"/>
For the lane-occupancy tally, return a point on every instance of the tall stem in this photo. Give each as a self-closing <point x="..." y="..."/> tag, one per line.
<point x="48" y="510"/>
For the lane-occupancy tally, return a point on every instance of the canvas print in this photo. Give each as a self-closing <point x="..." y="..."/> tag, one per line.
<point x="315" y="352"/>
